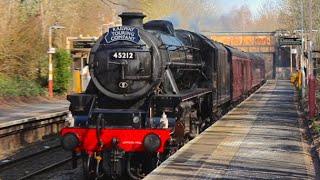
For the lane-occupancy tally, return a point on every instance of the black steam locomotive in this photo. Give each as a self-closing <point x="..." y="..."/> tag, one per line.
<point x="152" y="89"/>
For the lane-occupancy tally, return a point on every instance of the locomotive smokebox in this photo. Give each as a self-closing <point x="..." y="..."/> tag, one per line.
<point x="132" y="19"/>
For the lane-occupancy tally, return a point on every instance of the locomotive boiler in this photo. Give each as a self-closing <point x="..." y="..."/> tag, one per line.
<point x="152" y="89"/>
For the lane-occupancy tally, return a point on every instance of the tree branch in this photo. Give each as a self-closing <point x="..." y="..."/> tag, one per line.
<point x="106" y="2"/>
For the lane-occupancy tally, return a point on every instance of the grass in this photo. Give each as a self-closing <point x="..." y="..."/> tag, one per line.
<point x="19" y="86"/>
<point x="316" y="127"/>
<point x="315" y="124"/>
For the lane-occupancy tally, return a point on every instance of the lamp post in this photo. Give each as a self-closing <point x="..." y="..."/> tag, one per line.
<point x="51" y="51"/>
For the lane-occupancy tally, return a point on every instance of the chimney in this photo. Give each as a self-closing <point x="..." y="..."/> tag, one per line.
<point x="132" y="19"/>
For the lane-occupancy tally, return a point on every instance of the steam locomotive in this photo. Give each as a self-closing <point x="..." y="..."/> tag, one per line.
<point x="152" y="89"/>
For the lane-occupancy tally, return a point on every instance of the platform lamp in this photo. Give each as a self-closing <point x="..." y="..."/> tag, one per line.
<point x="51" y="51"/>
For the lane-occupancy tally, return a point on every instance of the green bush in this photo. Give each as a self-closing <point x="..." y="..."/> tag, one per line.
<point x="19" y="86"/>
<point x="62" y="71"/>
<point x="315" y="125"/>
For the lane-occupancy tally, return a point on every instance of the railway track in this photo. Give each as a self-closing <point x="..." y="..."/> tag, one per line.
<point x="14" y="161"/>
<point x="45" y="169"/>
<point x="34" y="164"/>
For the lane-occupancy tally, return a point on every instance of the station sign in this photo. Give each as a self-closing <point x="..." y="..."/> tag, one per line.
<point x="83" y="43"/>
<point x="287" y="41"/>
<point x="294" y="51"/>
<point x="51" y="50"/>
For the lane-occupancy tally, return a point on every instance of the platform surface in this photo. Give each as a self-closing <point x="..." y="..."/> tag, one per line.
<point x="25" y="112"/>
<point x="259" y="139"/>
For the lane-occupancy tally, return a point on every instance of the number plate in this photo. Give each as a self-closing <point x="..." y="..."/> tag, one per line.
<point x="122" y="55"/>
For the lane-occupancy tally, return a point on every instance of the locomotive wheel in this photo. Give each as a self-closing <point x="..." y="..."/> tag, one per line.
<point x="88" y="169"/>
<point x="89" y="165"/>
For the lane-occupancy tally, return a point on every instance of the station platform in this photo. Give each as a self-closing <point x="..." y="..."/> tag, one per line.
<point x="21" y="113"/>
<point x="259" y="139"/>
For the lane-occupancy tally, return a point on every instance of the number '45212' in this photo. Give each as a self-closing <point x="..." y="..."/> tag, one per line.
<point x="123" y="55"/>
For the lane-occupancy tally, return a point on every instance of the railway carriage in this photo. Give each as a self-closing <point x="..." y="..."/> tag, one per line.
<point x="239" y="73"/>
<point x="258" y="72"/>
